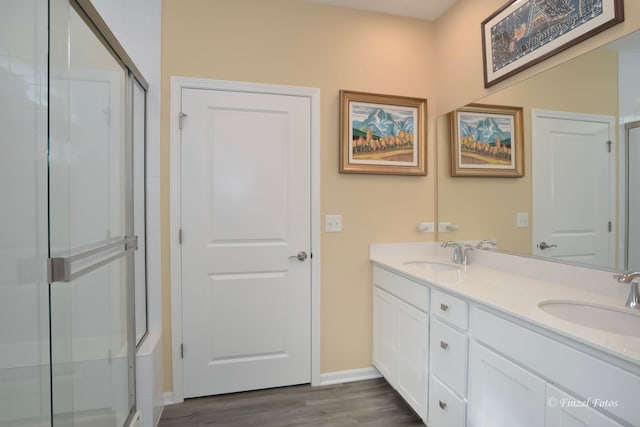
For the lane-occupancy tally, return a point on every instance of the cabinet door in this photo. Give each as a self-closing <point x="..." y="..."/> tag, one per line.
<point x="384" y="335"/>
<point x="564" y="410"/>
<point x="413" y="338"/>
<point x="502" y="394"/>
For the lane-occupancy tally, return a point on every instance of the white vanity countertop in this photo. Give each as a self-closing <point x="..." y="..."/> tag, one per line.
<point x="515" y="285"/>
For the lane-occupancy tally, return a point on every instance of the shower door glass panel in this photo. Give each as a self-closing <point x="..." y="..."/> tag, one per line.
<point x="24" y="306"/>
<point x="90" y="352"/>
<point x="633" y="197"/>
<point x="139" y="211"/>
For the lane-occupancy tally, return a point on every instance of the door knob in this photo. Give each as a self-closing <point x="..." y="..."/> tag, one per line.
<point x="544" y="245"/>
<point x="301" y="256"/>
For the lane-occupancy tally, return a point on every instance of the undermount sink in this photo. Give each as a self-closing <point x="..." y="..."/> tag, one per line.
<point x="431" y="266"/>
<point x="595" y="316"/>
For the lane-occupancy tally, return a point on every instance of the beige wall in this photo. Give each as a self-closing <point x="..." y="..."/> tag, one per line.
<point x="298" y="43"/>
<point x="485" y="208"/>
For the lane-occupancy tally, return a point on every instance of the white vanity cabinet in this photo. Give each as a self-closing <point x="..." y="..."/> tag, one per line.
<point x="518" y="372"/>
<point x="401" y="336"/>
<point x="459" y="363"/>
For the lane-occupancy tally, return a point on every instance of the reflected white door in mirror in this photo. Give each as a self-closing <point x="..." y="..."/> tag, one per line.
<point x="573" y="187"/>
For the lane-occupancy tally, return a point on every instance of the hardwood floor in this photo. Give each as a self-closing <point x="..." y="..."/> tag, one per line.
<point x="371" y="403"/>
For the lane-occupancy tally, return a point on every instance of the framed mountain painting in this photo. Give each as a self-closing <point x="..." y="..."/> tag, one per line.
<point x="382" y="134"/>
<point x="487" y="140"/>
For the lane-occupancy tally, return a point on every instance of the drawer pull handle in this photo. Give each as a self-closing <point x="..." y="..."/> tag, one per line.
<point x="444" y="345"/>
<point x="444" y="307"/>
<point x="442" y="404"/>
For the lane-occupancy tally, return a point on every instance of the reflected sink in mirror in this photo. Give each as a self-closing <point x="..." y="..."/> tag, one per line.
<point x="431" y="266"/>
<point x="605" y="318"/>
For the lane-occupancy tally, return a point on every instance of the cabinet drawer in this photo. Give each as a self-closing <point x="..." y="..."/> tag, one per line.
<point x="407" y="290"/>
<point x="450" y="308"/>
<point x="445" y="408"/>
<point x="449" y="356"/>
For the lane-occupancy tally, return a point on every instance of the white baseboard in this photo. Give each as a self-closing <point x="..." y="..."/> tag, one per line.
<point x="168" y="398"/>
<point x="329" y="378"/>
<point x="135" y="421"/>
<point x="351" y="375"/>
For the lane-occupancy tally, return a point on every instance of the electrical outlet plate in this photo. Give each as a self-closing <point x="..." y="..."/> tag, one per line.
<point x="426" y="227"/>
<point x="522" y="220"/>
<point x="444" y="227"/>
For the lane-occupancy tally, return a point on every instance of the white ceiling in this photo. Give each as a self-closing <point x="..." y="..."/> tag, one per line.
<point x="421" y="9"/>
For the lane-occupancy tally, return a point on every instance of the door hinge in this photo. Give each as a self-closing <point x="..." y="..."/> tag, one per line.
<point x="609" y="144"/>
<point x="610" y="226"/>
<point x="182" y="351"/>
<point x="180" y="236"/>
<point x="181" y="117"/>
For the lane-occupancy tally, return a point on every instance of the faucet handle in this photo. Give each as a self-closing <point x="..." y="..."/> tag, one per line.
<point x="481" y="243"/>
<point x="627" y="277"/>
<point x="450" y="243"/>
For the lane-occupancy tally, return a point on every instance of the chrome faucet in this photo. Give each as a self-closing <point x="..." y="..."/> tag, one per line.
<point x="460" y="255"/>
<point x="481" y="243"/>
<point x="634" y="296"/>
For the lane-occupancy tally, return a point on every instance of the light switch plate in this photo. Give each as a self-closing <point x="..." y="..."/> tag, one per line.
<point x="333" y="223"/>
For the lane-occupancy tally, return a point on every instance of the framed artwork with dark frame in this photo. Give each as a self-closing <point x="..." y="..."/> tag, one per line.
<point x="524" y="32"/>
<point x="487" y="140"/>
<point x="382" y="134"/>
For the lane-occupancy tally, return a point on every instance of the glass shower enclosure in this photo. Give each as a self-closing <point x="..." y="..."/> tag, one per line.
<point x="72" y="242"/>
<point x="632" y="160"/>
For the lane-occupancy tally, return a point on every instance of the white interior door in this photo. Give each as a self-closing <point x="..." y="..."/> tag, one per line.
<point x="573" y="187"/>
<point x="245" y="219"/>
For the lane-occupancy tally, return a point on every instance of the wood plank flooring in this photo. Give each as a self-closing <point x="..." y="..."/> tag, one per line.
<point x="371" y="403"/>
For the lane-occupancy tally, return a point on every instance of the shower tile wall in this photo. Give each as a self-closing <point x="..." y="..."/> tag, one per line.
<point x="24" y="314"/>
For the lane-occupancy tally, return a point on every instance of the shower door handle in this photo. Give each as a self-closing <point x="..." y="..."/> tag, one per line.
<point x="60" y="269"/>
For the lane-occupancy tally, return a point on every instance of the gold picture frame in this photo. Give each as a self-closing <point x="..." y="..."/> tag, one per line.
<point x="487" y="140"/>
<point x="382" y="134"/>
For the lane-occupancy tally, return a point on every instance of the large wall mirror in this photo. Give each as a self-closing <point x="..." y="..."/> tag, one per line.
<point x="577" y="201"/>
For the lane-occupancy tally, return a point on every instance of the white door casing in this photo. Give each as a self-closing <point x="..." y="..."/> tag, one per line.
<point x="573" y="187"/>
<point x="247" y="201"/>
